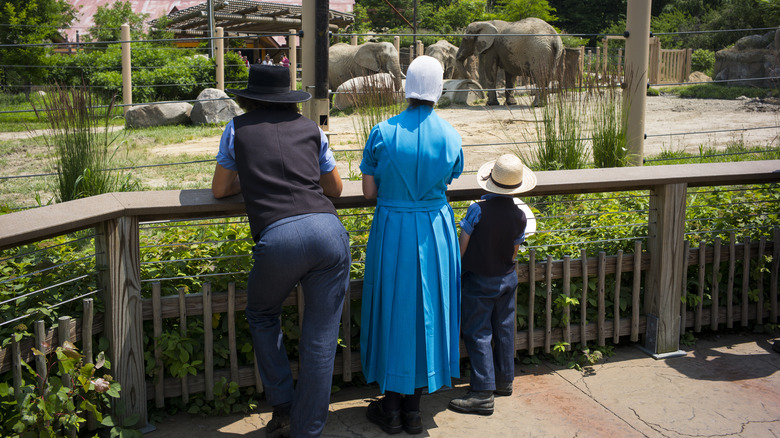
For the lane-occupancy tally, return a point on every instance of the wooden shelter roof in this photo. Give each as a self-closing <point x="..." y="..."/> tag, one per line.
<point x="246" y="16"/>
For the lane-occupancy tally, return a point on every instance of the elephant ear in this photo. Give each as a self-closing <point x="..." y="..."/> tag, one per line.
<point x="486" y="34"/>
<point x="367" y="57"/>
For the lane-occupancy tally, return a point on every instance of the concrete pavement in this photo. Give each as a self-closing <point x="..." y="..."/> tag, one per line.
<point x="726" y="386"/>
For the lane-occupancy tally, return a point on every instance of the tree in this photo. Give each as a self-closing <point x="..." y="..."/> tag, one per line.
<point x="109" y="20"/>
<point x="28" y="22"/>
<point x="516" y="10"/>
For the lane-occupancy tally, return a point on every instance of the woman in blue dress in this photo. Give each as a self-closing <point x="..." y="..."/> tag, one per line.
<point x="410" y="317"/>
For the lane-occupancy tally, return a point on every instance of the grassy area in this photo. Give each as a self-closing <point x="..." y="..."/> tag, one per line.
<point x="716" y="91"/>
<point x="18" y="113"/>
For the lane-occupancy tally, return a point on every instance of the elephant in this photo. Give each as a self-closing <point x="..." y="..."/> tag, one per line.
<point x="445" y="53"/>
<point x="346" y="61"/>
<point x="536" y="57"/>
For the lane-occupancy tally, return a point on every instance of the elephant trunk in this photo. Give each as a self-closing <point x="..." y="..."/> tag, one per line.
<point x="465" y="50"/>
<point x="394" y="65"/>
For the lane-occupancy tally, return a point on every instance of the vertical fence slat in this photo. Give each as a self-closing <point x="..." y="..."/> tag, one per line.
<point x="715" y="308"/>
<point x="760" y="262"/>
<point x="63" y="335"/>
<point x="700" y="305"/>
<point x="531" y="295"/>
<point x="16" y="364"/>
<point x="730" y="287"/>
<point x="584" y="302"/>
<point x="616" y="303"/>
<point x="159" y="382"/>
<point x="40" y="344"/>
<point x="231" y="321"/>
<point x="208" y="343"/>
<point x="773" y="275"/>
<point x="745" y="280"/>
<point x="567" y="307"/>
<point x="684" y="292"/>
<point x="346" y="331"/>
<point x="185" y="389"/>
<point x="635" y="291"/>
<point x="548" y="306"/>
<point x="87" y="320"/>
<point x="602" y="274"/>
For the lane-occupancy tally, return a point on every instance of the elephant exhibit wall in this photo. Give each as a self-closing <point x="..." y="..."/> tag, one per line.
<point x="752" y="57"/>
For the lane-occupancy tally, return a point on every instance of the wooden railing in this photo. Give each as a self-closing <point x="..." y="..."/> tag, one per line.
<point x="116" y="218"/>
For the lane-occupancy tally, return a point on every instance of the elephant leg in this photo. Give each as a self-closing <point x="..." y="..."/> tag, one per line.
<point x="510" y="89"/>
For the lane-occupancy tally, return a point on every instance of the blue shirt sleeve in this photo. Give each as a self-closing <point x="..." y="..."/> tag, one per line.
<point x="369" y="163"/>
<point x="471" y="219"/>
<point x="226" y="157"/>
<point x="327" y="161"/>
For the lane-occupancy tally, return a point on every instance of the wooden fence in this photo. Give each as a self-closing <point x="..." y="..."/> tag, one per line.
<point x="659" y="274"/>
<point x="665" y="66"/>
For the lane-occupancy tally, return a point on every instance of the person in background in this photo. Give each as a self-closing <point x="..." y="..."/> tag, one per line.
<point x="409" y="334"/>
<point x="490" y="235"/>
<point x="267" y="60"/>
<point x="285" y="61"/>
<point x="281" y="164"/>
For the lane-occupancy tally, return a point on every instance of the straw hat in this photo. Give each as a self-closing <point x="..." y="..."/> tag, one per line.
<point x="270" y="83"/>
<point x="507" y="176"/>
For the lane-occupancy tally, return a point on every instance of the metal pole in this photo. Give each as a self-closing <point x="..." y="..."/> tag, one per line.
<point x="210" y="7"/>
<point x="292" y="55"/>
<point x="635" y="92"/>
<point x="414" y="31"/>
<point x="127" y="84"/>
<point x="321" y="44"/>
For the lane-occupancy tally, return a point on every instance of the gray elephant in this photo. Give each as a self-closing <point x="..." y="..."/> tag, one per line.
<point x="536" y="57"/>
<point x="445" y="52"/>
<point x="346" y="61"/>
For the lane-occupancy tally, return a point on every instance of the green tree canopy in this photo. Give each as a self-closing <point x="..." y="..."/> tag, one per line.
<point x="109" y="20"/>
<point x="26" y="22"/>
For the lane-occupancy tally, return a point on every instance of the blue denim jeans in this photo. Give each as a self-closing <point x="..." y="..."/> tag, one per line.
<point x="487" y="315"/>
<point x="312" y="249"/>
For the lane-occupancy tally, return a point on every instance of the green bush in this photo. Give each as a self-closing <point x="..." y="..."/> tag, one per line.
<point x="704" y="61"/>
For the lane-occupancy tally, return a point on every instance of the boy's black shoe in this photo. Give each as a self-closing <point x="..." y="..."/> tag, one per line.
<point x="474" y="402"/>
<point x="279" y="426"/>
<point x="503" y="389"/>
<point x="411" y="422"/>
<point x="776" y="346"/>
<point x="390" y="422"/>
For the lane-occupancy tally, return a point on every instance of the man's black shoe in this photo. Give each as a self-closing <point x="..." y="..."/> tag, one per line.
<point x="279" y="426"/>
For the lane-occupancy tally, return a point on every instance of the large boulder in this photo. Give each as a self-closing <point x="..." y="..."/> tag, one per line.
<point x="376" y="89"/>
<point x="751" y="58"/>
<point x="145" y="116"/>
<point x="214" y="106"/>
<point x="698" y="76"/>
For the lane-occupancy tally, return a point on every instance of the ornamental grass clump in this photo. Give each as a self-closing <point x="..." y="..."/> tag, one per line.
<point x="81" y="142"/>
<point x="376" y="102"/>
<point x="609" y="125"/>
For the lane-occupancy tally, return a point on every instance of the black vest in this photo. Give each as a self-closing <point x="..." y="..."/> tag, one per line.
<point x="277" y="154"/>
<point x="491" y="246"/>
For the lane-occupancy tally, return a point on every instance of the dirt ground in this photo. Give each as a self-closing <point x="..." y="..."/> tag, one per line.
<point x="671" y="124"/>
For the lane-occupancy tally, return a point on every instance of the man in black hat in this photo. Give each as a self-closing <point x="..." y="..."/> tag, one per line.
<point x="281" y="164"/>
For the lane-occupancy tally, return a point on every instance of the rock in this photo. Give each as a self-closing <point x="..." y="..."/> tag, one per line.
<point x="214" y="106"/>
<point x="752" y="58"/>
<point x="698" y="76"/>
<point x="145" y="116"/>
<point x="366" y="90"/>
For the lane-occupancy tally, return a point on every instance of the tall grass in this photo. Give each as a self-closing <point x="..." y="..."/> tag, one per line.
<point x="609" y="126"/>
<point x="377" y="101"/>
<point x="82" y="144"/>
<point x="559" y="142"/>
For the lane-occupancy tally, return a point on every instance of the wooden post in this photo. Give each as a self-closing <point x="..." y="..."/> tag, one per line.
<point x="292" y="55"/>
<point x="127" y="84"/>
<point x="117" y="249"/>
<point x="635" y="95"/>
<point x="220" y="58"/>
<point x="548" y="305"/>
<point x="531" y="294"/>
<point x="567" y="307"/>
<point x="353" y="40"/>
<point x="584" y="300"/>
<point x="208" y="343"/>
<point x="397" y="45"/>
<point x="665" y="244"/>
<point x="157" y="323"/>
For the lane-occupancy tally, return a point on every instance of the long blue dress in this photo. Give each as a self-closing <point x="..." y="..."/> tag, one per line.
<point x="410" y="320"/>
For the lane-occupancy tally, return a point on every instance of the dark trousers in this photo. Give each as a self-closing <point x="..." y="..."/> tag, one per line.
<point x="313" y="250"/>
<point x="487" y="323"/>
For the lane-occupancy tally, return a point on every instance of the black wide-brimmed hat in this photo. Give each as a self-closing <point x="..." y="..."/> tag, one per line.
<point x="270" y="83"/>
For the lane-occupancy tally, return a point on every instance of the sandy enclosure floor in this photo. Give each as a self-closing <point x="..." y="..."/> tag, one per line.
<point x="671" y="123"/>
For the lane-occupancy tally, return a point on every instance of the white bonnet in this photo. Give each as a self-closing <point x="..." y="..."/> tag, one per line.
<point x="424" y="79"/>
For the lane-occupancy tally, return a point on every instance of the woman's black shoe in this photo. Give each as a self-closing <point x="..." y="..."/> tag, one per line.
<point x="411" y="422"/>
<point x="390" y="422"/>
